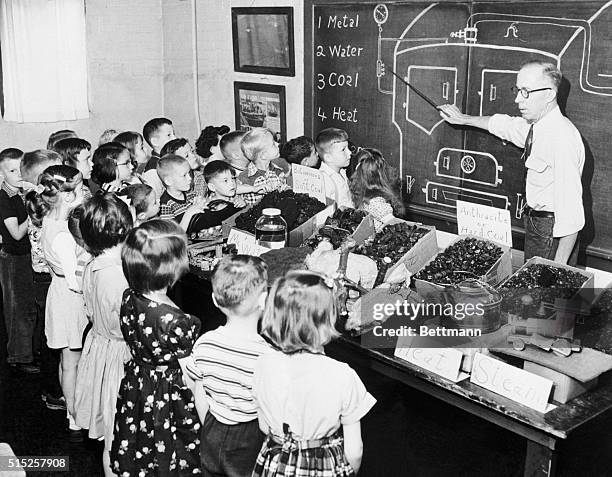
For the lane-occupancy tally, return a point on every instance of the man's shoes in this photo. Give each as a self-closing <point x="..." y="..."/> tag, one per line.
<point x="27" y="368"/>
<point x="54" y="403"/>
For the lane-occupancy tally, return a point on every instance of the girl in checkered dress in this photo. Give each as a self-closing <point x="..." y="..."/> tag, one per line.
<point x="304" y="397"/>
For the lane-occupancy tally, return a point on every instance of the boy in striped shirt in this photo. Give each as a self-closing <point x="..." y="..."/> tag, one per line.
<point x="224" y="359"/>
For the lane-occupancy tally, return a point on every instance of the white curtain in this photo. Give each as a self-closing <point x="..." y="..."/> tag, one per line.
<point x="44" y="63"/>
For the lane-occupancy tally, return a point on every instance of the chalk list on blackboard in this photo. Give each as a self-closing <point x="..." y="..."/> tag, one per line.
<point x="338" y="21"/>
<point x="341" y="51"/>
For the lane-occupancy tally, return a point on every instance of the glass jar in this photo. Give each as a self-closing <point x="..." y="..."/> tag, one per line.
<point x="271" y="229"/>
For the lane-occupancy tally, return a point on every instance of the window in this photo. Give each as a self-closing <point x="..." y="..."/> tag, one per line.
<point x="44" y="67"/>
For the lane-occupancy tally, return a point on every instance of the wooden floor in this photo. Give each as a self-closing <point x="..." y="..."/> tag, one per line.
<point x="406" y="434"/>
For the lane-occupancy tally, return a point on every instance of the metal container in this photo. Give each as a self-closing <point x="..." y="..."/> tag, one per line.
<point x="476" y="305"/>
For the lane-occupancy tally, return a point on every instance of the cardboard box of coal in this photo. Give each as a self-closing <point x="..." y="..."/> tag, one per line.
<point x="467" y="257"/>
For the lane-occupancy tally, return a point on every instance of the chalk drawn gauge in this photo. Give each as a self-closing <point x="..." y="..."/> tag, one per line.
<point x="473" y="166"/>
<point x="381" y="13"/>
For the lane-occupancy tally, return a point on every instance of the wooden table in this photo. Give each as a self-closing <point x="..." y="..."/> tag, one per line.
<point x="542" y="431"/>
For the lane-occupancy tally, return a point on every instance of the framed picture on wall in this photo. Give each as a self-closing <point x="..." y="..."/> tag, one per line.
<point x="263" y="40"/>
<point x="261" y="105"/>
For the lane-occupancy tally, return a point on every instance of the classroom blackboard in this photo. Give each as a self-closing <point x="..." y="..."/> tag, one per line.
<point x="466" y="53"/>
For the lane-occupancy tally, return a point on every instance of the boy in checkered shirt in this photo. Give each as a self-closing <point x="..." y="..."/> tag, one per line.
<point x="259" y="146"/>
<point x="179" y="201"/>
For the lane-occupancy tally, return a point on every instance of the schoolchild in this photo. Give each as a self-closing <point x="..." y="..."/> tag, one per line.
<point x="207" y="144"/>
<point x="259" y="147"/>
<point x="375" y="187"/>
<point x="224" y="360"/>
<point x="112" y="168"/>
<point x="76" y="152"/>
<point x="135" y="144"/>
<point x="58" y="136"/>
<point x="32" y="166"/>
<point x="142" y="201"/>
<point x="232" y="153"/>
<point x="156" y="423"/>
<point x="107" y="136"/>
<point x="300" y="150"/>
<point x="179" y="201"/>
<point x="332" y="148"/>
<point x="65" y="318"/>
<point x="156" y="132"/>
<point x="19" y="308"/>
<point x="104" y="223"/>
<point x="181" y="147"/>
<point x="304" y="398"/>
<point x="82" y="254"/>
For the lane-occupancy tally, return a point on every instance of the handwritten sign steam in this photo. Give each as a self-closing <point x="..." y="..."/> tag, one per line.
<point x="483" y="221"/>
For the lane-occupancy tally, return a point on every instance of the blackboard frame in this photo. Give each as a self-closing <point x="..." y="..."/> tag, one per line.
<point x="278" y="90"/>
<point x="236" y="34"/>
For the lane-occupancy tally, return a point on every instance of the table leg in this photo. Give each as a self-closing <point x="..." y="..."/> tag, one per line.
<point x="540" y="461"/>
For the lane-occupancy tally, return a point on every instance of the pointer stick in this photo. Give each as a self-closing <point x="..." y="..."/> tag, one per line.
<point x="416" y="90"/>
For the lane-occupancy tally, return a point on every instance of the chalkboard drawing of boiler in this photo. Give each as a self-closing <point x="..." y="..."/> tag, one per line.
<point x="469" y="55"/>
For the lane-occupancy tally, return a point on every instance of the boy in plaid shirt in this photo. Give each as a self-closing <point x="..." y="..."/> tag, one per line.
<point x="178" y="202"/>
<point x="259" y="146"/>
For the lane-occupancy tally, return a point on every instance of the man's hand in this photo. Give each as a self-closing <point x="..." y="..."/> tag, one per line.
<point x="565" y="248"/>
<point x="451" y="114"/>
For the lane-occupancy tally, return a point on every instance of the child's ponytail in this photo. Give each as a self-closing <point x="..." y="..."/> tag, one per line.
<point x="104" y="170"/>
<point x="53" y="180"/>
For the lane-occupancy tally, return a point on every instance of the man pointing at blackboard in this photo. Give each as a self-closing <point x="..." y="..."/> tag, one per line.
<point x="554" y="158"/>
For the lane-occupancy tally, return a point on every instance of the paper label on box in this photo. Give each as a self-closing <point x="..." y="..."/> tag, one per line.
<point x="445" y="362"/>
<point x="490" y="223"/>
<point x="245" y="243"/>
<point x="516" y="384"/>
<point x="307" y="180"/>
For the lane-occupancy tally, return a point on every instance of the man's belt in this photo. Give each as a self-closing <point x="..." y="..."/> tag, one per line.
<point x="537" y="213"/>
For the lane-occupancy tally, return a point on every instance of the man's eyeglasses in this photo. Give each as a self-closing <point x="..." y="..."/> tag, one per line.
<point x="526" y="92"/>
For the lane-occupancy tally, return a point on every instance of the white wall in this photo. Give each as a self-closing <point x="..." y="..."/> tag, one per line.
<point x="216" y="65"/>
<point x="140" y="67"/>
<point x="124" y="49"/>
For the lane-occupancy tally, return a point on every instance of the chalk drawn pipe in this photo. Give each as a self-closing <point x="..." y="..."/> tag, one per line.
<point x="422" y="95"/>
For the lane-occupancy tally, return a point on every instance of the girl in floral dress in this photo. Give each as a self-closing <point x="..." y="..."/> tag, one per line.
<point x="156" y="424"/>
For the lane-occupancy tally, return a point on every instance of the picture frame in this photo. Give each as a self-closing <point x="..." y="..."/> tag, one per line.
<point x="261" y="105"/>
<point x="263" y="40"/>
